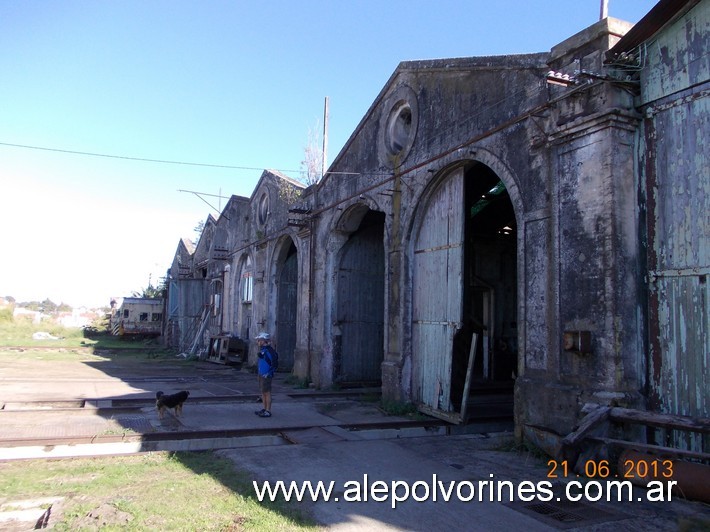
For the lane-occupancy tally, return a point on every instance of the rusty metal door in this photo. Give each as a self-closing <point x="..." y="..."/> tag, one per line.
<point x="437" y="297"/>
<point x="360" y="308"/>
<point x="286" y="312"/>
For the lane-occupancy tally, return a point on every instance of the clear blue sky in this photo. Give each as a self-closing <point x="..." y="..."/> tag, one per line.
<point x="235" y="83"/>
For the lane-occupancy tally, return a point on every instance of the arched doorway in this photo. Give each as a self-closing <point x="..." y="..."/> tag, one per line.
<point x="287" y="308"/>
<point x="246" y="293"/>
<point x="465" y="287"/>
<point x="360" y="304"/>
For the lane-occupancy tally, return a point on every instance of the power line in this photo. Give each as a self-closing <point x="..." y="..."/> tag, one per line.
<point x="439" y="132"/>
<point x="164" y="161"/>
<point x="141" y="159"/>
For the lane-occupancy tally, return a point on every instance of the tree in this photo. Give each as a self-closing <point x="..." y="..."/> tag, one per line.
<point x="198" y="230"/>
<point x="152" y="292"/>
<point x="47" y="306"/>
<point x="312" y="163"/>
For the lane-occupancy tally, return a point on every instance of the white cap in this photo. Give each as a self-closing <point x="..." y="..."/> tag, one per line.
<point x="263" y="336"/>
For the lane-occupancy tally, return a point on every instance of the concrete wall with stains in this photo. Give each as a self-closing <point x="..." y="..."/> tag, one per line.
<point x="566" y="158"/>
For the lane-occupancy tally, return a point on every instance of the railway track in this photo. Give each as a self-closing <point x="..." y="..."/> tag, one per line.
<point x="93" y="427"/>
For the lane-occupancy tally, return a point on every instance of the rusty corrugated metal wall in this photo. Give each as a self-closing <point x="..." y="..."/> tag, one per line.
<point x="185" y="306"/>
<point x="676" y="174"/>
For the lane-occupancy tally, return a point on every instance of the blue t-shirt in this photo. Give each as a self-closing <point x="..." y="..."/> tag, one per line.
<point x="265" y="357"/>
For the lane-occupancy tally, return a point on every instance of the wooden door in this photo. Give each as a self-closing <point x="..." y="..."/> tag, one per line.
<point x="360" y="309"/>
<point x="437" y="294"/>
<point x="286" y="312"/>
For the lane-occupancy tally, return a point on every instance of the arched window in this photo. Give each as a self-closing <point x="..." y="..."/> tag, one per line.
<point x="247" y="281"/>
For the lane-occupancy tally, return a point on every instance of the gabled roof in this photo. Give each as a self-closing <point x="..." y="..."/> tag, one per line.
<point x="224" y="216"/>
<point x="233" y="199"/>
<point x="435" y="67"/>
<point x="279" y="176"/>
<point x="210" y="224"/>
<point x="188" y="244"/>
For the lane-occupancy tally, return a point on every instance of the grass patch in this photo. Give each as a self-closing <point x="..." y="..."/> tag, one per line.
<point x="157" y="491"/>
<point x="19" y="332"/>
<point x="300" y="383"/>
<point x="71" y="344"/>
<point x="399" y="408"/>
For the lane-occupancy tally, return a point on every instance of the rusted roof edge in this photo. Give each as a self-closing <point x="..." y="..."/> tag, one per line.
<point x="660" y="15"/>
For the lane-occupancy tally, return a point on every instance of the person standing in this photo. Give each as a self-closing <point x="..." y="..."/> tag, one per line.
<point x="268" y="360"/>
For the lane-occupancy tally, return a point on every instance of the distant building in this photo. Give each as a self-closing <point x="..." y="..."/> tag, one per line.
<point x="78" y="317"/>
<point x="35" y="315"/>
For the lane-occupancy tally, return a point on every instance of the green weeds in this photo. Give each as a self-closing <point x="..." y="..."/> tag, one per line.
<point x="157" y="491"/>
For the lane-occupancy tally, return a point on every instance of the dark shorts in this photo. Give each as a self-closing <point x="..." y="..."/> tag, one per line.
<point x="264" y="384"/>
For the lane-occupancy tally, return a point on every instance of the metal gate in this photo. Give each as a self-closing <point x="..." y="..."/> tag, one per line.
<point x="360" y="307"/>
<point x="286" y="312"/>
<point x="437" y="297"/>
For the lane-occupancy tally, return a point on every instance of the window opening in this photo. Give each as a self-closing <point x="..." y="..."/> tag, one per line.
<point x="247" y="281"/>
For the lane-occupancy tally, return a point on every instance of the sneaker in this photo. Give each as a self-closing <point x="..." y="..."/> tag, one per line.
<point x="264" y="413"/>
<point x="260" y="412"/>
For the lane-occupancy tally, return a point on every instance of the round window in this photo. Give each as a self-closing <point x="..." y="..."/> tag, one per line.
<point x="399" y="128"/>
<point x="263" y="208"/>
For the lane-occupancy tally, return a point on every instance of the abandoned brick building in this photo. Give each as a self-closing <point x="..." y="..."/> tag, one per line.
<point x="526" y="232"/>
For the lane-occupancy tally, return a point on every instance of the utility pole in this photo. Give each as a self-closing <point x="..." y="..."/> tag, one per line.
<point x="603" y="9"/>
<point x="325" y="138"/>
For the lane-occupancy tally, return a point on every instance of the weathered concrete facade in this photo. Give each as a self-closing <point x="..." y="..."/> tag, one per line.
<point x="554" y="249"/>
<point x="475" y="201"/>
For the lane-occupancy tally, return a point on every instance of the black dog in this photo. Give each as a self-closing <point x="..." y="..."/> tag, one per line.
<point x="175" y="401"/>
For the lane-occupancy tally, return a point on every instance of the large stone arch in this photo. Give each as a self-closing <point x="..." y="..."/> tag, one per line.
<point x="444" y="286"/>
<point x="284" y="299"/>
<point x="355" y="292"/>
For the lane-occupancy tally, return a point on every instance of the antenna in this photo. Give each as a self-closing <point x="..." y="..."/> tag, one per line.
<point x="603" y="9"/>
<point x="200" y="194"/>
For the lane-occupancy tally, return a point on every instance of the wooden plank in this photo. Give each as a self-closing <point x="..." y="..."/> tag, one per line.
<point x="469" y="374"/>
<point x="667" y="421"/>
<point x="451" y="417"/>
<point x="589" y="423"/>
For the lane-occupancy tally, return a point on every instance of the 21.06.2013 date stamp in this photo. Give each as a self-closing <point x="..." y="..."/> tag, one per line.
<point x="628" y="469"/>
